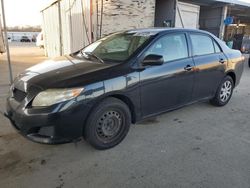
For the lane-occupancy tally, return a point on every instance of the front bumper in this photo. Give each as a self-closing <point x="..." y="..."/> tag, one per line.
<point x="51" y="125"/>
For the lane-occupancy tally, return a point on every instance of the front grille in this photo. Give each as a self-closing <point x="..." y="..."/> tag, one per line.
<point x="19" y="95"/>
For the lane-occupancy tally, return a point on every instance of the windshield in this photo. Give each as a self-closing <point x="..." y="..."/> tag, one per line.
<point x="116" y="47"/>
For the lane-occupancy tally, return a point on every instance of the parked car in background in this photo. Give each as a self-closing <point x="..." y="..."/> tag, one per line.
<point x="9" y="39"/>
<point x="40" y="40"/>
<point x="98" y="91"/>
<point x="25" y="39"/>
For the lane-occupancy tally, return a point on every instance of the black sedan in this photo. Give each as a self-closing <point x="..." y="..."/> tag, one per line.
<point x="97" y="92"/>
<point x="25" y="39"/>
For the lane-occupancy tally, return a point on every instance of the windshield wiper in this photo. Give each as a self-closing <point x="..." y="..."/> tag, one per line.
<point x="93" y="55"/>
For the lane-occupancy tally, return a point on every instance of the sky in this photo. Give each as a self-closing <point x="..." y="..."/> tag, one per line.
<point x="27" y="12"/>
<point x="24" y="12"/>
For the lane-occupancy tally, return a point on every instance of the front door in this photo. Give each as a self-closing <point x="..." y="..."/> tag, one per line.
<point x="169" y="85"/>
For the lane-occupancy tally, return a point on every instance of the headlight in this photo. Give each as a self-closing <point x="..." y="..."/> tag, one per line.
<point x="53" y="96"/>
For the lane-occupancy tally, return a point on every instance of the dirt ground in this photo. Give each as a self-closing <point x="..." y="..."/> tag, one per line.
<point x="196" y="146"/>
<point x="23" y="55"/>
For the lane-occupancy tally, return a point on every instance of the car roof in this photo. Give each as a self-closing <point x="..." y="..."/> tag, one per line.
<point x="157" y="30"/>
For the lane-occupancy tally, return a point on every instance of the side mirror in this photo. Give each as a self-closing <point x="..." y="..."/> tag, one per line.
<point x="153" y="60"/>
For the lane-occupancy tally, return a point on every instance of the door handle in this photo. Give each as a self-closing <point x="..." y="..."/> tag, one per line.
<point x="222" y="60"/>
<point x="188" y="68"/>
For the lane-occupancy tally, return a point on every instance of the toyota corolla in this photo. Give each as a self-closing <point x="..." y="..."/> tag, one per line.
<point x="98" y="91"/>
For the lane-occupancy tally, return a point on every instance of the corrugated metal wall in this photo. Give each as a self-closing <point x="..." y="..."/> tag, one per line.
<point x="76" y="19"/>
<point x="51" y="29"/>
<point x="74" y="14"/>
<point x="65" y="26"/>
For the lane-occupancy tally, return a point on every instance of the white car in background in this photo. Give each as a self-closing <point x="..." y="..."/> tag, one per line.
<point x="40" y="40"/>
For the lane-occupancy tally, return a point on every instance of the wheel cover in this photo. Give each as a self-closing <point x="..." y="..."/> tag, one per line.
<point x="226" y="91"/>
<point x="109" y="126"/>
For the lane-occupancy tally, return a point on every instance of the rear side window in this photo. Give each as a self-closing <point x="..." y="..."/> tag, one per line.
<point x="216" y="47"/>
<point x="171" y="47"/>
<point x="202" y="44"/>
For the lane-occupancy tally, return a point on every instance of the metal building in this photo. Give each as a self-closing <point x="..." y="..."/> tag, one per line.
<point x="66" y="26"/>
<point x="69" y="25"/>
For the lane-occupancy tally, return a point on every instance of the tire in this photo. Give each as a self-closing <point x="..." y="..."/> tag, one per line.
<point x="249" y="62"/>
<point x="108" y="124"/>
<point x="224" y="92"/>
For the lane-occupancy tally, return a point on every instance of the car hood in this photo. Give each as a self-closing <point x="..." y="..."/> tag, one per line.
<point x="62" y="72"/>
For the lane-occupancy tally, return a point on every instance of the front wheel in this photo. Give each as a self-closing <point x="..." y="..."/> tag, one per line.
<point x="108" y="124"/>
<point x="224" y="92"/>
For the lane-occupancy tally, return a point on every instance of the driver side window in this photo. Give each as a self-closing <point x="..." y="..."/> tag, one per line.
<point x="171" y="47"/>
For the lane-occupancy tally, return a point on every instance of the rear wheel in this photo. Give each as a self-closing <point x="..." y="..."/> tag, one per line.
<point x="108" y="124"/>
<point x="224" y="92"/>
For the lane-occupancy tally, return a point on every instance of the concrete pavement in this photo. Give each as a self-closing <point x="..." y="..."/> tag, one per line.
<point x="196" y="146"/>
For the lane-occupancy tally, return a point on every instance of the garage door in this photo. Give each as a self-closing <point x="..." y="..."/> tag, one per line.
<point x="187" y="15"/>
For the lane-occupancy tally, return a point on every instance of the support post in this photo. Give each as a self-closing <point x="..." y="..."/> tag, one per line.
<point x="60" y="28"/>
<point x="222" y="24"/>
<point x="6" y="43"/>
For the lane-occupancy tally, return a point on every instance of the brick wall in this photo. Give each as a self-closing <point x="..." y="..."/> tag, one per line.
<point x="125" y="14"/>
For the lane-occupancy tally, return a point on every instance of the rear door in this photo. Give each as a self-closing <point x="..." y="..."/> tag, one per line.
<point x="210" y="64"/>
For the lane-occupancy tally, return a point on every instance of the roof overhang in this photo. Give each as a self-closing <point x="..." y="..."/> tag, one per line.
<point x="236" y="2"/>
<point x="52" y="2"/>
